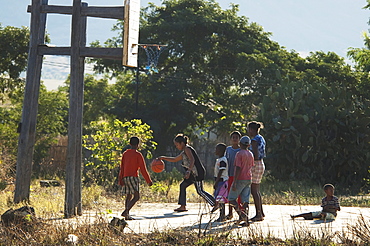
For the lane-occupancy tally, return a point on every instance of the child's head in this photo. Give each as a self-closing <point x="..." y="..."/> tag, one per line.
<point x="235" y="138"/>
<point x="329" y="189"/>
<point x="254" y="127"/>
<point x="134" y="141"/>
<point x="220" y="149"/>
<point x="245" y="141"/>
<point x="180" y="141"/>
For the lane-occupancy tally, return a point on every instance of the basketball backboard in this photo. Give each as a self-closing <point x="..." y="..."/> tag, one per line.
<point x="131" y="33"/>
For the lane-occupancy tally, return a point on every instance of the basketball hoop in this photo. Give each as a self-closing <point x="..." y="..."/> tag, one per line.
<point x="153" y="51"/>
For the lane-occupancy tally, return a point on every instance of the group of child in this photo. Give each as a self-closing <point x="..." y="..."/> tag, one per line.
<point x="238" y="172"/>
<point x="240" y="166"/>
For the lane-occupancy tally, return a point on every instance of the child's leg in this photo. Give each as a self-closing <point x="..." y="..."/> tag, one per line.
<point x="245" y="196"/>
<point x="130" y="204"/>
<point x="182" y="195"/>
<point x="306" y="216"/>
<point x="243" y="216"/>
<point x="222" y="213"/>
<point x="127" y="201"/>
<point x="230" y="182"/>
<point x="208" y="197"/>
<point x="255" y="189"/>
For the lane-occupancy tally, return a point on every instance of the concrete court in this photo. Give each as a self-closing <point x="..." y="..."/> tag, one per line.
<point x="160" y="216"/>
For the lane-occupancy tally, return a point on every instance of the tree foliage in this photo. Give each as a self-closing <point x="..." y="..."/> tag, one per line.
<point x="213" y="61"/>
<point x="105" y="145"/>
<point x="13" y="58"/>
<point x="316" y="131"/>
<point x="220" y="70"/>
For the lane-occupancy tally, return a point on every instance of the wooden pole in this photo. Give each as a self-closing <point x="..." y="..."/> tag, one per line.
<point x="74" y="151"/>
<point x="27" y="135"/>
<point x="80" y="94"/>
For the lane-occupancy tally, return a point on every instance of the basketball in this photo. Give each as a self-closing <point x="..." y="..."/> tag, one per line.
<point x="157" y="166"/>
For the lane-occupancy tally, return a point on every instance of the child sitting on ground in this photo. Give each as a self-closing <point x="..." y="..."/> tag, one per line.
<point x="330" y="206"/>
<point x="221" y="181"/>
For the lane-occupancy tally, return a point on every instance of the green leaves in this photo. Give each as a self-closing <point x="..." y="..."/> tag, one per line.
<point x="105" y="144"/>
<point x="316" y="129"/>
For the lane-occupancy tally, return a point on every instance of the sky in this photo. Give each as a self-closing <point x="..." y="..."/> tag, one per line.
<point x="303" y="26"/>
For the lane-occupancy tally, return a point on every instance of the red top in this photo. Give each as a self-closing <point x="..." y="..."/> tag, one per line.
<point x="245" y="160"/>
<point x="132" y="161"/>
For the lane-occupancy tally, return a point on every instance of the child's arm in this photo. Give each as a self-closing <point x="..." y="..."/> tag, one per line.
<point x="255" y="149"/>
<point x="236" y="177"/>
<point x="332" y="207"/>
<point x="222" y="169"/>
<point x="171" y="159"/>
<point x="121" y="173"/>
<point x="144" y="171"/>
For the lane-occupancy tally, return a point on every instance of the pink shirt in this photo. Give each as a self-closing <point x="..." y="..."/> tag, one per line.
<point x="245" y="160"/>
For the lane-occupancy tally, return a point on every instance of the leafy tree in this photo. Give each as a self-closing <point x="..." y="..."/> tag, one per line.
<point x="316" y="131"/>
<point x="97" y="96"/>
<point x="13" y="58"/>
<point x="213" y="61"/>
<point x="216" y="72"/>
<point x="105" y="145"/>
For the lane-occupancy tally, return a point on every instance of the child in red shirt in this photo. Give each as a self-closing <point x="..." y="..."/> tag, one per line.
<point x="132" y="161"/>
<point x="243" y="163"/>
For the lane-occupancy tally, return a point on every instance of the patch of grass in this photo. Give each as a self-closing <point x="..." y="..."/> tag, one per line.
<point x="100" y="233"/>
<point x="49" y="203"/>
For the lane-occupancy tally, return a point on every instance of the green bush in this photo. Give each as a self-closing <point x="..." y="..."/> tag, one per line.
<point x="318" y="132"/>
<point x="105" y="145"/>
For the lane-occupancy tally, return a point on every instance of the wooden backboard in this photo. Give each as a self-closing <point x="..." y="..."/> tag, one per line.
<point x="131" y="33"/>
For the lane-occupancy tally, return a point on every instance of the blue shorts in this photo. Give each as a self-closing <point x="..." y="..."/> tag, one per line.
<point x="243" y="189"/>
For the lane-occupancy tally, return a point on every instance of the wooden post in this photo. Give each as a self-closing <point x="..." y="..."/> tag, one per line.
<point x="26" y="140"/>
<point x="78" y="52"/>
<point x="80" y="93"/>
<point x="74" y="151"/>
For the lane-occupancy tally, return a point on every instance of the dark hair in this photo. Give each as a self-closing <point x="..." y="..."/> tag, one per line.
<point x="255" y="125"/>
<point x="221" y="147"/>
<point x="236" y="133"/>
<point x="181" y="138"/>
<point x="327" y="186"/>
<point x="134" y="141"/>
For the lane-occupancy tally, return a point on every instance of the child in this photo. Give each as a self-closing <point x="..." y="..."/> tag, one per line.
<point x="330" y="206"/>
<point x="230" y="155"/>
<point x="195" y="171"/>
<point x="132" y="161"/>
<point x="258" y="148"/>
<point x="221" y="177"/>
<point x="243" y="163"/>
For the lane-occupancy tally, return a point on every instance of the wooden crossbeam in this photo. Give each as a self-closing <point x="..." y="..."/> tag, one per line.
<point x="106" y="53"/>
<point x="100" y="12"/>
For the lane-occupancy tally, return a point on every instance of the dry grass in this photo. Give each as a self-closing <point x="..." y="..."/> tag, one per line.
<point x="49" y="203"/>
<point x="100" y="233"/>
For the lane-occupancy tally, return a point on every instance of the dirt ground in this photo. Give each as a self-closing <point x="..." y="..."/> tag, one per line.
<point x="151" y="217"/>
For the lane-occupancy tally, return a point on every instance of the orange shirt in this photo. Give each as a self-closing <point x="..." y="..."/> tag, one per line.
<point x="132" y="161"/>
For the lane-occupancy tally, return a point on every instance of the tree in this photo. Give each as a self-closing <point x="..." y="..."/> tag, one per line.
<point x="97" y="96"/>
<point x="105" y="145"/>
<point x="317" y="131"/>
<point x="213" y="61"/>
<point x="13" y="58"/>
